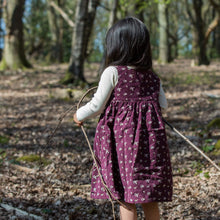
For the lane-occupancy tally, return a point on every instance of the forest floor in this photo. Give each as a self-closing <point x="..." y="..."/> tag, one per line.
<point x="41" y="180"/>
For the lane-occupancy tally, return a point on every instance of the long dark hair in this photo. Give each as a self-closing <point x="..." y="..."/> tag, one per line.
<point x="128" y="43"/>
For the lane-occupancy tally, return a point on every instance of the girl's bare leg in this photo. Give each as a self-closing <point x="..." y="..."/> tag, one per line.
<point x="151" y="211"/>
<point x="129" y="213"/>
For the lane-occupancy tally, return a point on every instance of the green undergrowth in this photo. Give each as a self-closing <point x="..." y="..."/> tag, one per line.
<point x="16" y="65"/>
<point x="208" y="146"/>
<point x="217" y="145"/>
<point x="68" y="79"/>
<point x="213" y="146"/>
<point x="66" y="143"/>
<point x="216" y="151"/>
<point x="198" y="169"/>
<point x="202" y="174"/>
<point x="33" y="158"/>
<point x="215" y="123"/>
<point x="4" y="140"/>
<point x="192" y="79"/>
<point x="2" y="153"/>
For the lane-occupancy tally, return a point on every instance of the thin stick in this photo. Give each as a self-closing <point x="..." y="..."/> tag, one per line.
<point x="188" y="141"/>
<point x="58" y="124"/>
<point x="99" y="173"/>
<point x="95" y="159"/>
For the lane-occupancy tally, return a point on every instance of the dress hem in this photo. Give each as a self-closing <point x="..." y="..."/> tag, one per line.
<point x="135" y="202"/>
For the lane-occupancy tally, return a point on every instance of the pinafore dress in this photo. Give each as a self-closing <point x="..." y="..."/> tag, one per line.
<point x="130" y="142"/>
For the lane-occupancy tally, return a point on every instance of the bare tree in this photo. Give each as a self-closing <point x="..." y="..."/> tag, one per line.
<point x="56" y="29"/>
<point x="113" y="13"/>
<point x="82" y="28"/>
<point x="13" y="53"/>
<point x="216" y="20"/>
<point x="201" y="33"/>
<point x="2" y="5"/>
<point x="163" y="36"/>
<point x="111" y="21"/>
<point x="84" y="19"/>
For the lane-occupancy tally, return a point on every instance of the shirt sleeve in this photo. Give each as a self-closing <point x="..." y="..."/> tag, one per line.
<point x="162" y="98"/>
<point x="108" y="81"/>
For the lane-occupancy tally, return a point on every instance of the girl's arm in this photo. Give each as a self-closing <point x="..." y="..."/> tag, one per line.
<point x="162" y="98"/>
<point x="97" y="104"/>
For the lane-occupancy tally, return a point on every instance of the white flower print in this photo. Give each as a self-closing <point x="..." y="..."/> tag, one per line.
<point x="136" y="194"/>
<point x="132" y="144"/>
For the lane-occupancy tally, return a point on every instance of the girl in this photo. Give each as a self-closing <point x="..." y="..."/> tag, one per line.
<point x="130" y="141"/>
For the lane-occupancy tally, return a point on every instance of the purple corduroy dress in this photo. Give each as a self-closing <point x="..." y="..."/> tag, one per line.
<point x="130" y="142"/>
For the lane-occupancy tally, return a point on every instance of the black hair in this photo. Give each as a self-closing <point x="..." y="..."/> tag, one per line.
<point x="128" y="44"/>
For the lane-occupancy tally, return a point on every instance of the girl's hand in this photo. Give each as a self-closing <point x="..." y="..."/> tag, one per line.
<point x="79" y="123"/>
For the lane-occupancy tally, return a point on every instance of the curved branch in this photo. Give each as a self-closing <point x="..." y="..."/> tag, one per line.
<point x="212" y="26"/>
<point x="63" y="14"/>
<point x="215" y="5"/>
<point x="214" y="22"/>
<point x="189" y="13"/>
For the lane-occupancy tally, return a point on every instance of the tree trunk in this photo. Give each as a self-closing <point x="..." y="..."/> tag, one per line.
<point x="135" y="9"/>
<point x="92" y="5"/>
<point x="176" y="50"/>
<point x="169" y="43"/>
<point x="194" y="42"/>
<point x="111" y="22"/>
<point x="213" y="49"/>
<point x="215" y="26"/>
<point x="1" y="29"/>
<point x="175" y="29"/>
<point x="56" y="28"/>
<point x="217" y="41"/>
<point x="76" y="65"/>
<point x="139" y="11"/>
<point x="113" y="13"/>
<point x="13" y="54"/>
<point x="163" y="38"/>
<point x="84" y="19"/>
<point x="200" y="33"/>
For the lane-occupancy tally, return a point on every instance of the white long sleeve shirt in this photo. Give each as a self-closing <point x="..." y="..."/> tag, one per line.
<point x="107" y="83"/>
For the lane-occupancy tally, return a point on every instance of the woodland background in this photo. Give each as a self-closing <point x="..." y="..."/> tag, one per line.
<point x="52" y="52"/>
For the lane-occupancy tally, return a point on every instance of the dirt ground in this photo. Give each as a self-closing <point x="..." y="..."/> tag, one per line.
<point x="49" y="178"/>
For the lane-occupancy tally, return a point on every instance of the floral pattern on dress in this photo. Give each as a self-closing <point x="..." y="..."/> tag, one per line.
<point x="130" y="142"/>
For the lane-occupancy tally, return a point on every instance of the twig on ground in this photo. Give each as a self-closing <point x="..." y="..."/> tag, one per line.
<point x="21" y="168"/>
<point x="20" y="212"/>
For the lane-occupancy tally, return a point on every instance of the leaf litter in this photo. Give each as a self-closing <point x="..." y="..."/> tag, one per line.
<point x="54" y="183"/>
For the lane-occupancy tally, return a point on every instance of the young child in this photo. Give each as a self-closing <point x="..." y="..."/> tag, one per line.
<point x="130" y="141"/>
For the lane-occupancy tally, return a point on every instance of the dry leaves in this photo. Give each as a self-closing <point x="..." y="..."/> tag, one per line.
<point x="58" y="186"/>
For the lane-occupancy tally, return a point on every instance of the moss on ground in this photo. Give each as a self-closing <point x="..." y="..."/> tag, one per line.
<point x="33" y="158"/>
